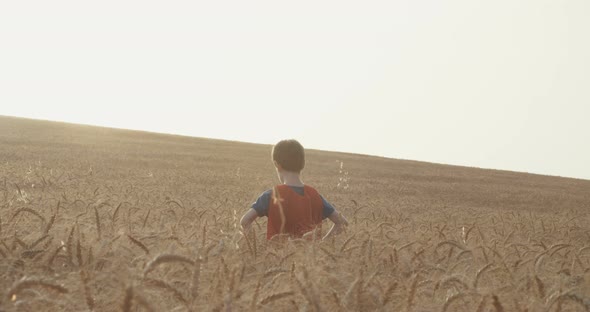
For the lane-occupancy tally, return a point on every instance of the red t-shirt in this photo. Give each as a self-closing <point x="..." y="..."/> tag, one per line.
<point x="300" y="213"/>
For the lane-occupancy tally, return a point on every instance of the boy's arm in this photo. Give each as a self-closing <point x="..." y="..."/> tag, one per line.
<point x="340" y="223"/>
<point x="247" y="219"/>
<point x="259" y="209"/>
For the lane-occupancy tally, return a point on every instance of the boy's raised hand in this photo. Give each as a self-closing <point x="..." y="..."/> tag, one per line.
<point x="247" y="219"/>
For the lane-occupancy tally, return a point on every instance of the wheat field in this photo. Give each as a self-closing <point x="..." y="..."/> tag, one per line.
<point x="97" y="219"/>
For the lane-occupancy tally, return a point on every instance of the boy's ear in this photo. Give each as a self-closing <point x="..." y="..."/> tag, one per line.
<point x="277" y="165"/>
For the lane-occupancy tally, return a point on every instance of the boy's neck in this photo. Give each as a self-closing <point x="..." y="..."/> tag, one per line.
<point x="291" y="178"/>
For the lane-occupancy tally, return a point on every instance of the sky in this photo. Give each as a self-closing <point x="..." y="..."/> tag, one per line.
<point x="501" y="84"/>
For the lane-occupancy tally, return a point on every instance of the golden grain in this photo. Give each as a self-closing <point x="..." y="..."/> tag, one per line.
<point x="166" y="258"/>
<point x="274" y="297"/>
<point x="490" y="240"/>
<point x="139" y="244"/>
<point x="26" y="283"/>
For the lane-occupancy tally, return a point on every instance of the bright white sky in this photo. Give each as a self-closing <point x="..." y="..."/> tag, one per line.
<point x="499" y="84"/>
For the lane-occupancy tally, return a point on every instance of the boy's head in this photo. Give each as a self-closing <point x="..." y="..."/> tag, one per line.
<point x="289" y="155"/>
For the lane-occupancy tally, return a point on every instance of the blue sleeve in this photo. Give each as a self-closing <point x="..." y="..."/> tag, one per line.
<point x="261" y="204"/>
<point x="328" y="208"/>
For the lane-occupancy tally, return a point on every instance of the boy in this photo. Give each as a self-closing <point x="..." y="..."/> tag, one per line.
<point x="292" y="208"/>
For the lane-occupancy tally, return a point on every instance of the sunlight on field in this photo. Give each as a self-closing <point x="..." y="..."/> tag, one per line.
<point x="106" y="220"/>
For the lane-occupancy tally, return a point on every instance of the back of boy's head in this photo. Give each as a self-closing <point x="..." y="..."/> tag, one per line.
<point x="290" y="155"/>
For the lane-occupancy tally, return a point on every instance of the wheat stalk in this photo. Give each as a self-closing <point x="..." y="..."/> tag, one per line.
<point x="39" y="240"/>
<point x="204" y="235"/>
<point x="276" y="296"/>
<point x="69" y="245"/>
<point x="329" y="254"/>
<point x="116" y="213"/>
<point x="166" y="258"/>
<point x="29" y="210"/>
<point x="147" y="215"/>
<point x="51" y="221"/>
<point x="540" y="287"/>
<point x="388" y="293"/>
<point x="29" y="254"/>
<point x="167" y="287"/>
<point x="412" y="293"/>
<point x="272" y="271"/>
<point x="479" y="273"/>
<point x="461" y="296"/>
<point x="52" y="258"/>
<point x="4" y="255"/>
<point x="87" y="293"/>
<point x="338" y="301"/>
<point x="255" y="295"/>
<point x="497" y="305"/>
<point x="79" y="252"/>
<point x="26" y="283"/>
<point x="18" y="241"/>
<point x="580" y="301"/>
<point x="127" y="299"/>
<point x="139" y="244"/>
<point x="452" y="299"/>
<point x="143" y="302"/>
<point x="482" y="304"/>
<point x="304" y="290"/>
<point x="351" y="297"/>
<point x="196" y="279"/>
<point x="97" y="220"/>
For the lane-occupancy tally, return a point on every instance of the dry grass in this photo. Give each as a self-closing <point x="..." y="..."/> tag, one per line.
<point x="99" y="219"/>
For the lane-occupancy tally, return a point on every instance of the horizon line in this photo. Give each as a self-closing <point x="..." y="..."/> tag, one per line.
<point x="314" y="149"/>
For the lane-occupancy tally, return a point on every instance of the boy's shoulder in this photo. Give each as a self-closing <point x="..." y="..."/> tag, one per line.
<point x="262" y="203"/>
<point x="305" y="187"/>
<point x="284" y="187"/>
<point x="292" y="186"/>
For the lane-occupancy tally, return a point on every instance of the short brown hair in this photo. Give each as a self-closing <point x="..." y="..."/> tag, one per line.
<point x="290" y="155"/>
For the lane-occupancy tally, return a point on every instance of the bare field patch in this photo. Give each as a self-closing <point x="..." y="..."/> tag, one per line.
<point x="112" y="220"/>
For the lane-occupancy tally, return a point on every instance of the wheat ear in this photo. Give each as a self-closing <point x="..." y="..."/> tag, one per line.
<point x="166" y="258"/>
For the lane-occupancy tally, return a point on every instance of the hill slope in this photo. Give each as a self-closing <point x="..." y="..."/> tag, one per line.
<point x="117" y="198"/>
<point x="111" y="152"/>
